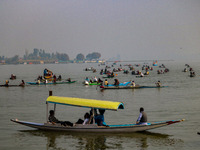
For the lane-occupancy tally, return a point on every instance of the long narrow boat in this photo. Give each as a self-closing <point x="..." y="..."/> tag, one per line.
<point x="130" y="87"/>
<point x="94" y="104"/>
<point x="11" y="86"/>
<point x="63" y="82"/>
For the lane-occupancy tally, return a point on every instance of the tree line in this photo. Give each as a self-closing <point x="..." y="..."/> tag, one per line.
<point x="39" y="54"/>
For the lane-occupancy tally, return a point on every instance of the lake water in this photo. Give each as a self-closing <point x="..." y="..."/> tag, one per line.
<point x="181" y="99"/>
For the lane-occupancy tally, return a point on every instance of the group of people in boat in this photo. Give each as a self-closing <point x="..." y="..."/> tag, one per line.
<point x="116" y="82"/>
<point x="88" y="118"/>
<point x="47" y="73"/>
<point x="93" y="80"/>
<point x="192" y="72"/>
<point x="98" y="118"/>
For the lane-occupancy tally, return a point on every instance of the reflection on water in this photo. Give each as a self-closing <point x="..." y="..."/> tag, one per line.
<point x="95" y="141"/>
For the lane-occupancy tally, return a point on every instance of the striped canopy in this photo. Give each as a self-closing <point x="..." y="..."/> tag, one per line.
<point x="89" y="103"/>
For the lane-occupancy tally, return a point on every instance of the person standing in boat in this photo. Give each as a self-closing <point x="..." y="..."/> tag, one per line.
<point x="54" y="120"/>
<point x="142" y="119"/>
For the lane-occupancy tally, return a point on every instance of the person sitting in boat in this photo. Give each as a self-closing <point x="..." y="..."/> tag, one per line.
<point x="22" y="83"/>
<point x="99" y="118"/>
<point x="106" y="82"/>
<point x="142" y="119"/>
<point x="54" y="78"/>
<point x="85" y="121"/>
<point x="45" y="72"/>
<point x="54" y="120"/>
<point x="141" y="75"/>
<point x="38" y="81"/>
<point x="87" y="79"/>
<point x="100" y="81"/>
<point x="112" y="74"/>
<point x="95" y="79"/>
<point x="6" y="84"/>
<point x="133" y="84"/>
<point x="45" y="81"/>
<point x="101" y="72"/>
<point x="59" y="78"/>
<point x="116" y="83"/>
<point x="69" y="80"/>
<point x="91" y="81"/>
<point x="158" y="84"/>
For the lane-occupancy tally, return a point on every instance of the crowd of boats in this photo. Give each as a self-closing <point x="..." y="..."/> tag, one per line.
<point x="108" y="72"/>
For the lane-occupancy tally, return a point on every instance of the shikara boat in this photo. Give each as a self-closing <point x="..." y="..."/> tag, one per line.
<point x="94" y="104"/>
<point x="42" y="83"/>
<point x="130" y="87"/>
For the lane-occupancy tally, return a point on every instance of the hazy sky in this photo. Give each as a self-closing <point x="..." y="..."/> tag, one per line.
<point x="135" y="29"/>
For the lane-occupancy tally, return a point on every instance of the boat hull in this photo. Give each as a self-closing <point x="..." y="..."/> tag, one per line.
<point x="126" y="128"/>
<point x="130" y="87"/>
<point x="35" y="83"/>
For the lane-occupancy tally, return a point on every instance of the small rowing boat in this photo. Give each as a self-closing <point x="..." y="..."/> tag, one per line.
<point x="92" y="104"/>
<point x="42" y="83"/>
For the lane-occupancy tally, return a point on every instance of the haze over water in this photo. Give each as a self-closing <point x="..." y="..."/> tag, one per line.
<point x="177" y="101"/>
<point x="136" y="30"/>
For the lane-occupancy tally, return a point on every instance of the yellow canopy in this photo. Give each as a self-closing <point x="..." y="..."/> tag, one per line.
<point x="90" y="103"/>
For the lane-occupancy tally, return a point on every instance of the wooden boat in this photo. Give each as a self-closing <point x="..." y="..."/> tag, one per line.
<point x="94" y="104"/>
<point x="42" y="83"/>
<point x="130" y="87"/>
<point x="11" y="86"/>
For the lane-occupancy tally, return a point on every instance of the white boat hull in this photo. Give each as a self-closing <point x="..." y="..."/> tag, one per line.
<point x="94" y="128"/>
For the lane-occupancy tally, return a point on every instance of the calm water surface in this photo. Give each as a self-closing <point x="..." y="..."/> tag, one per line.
<point x="181" y="99"/>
